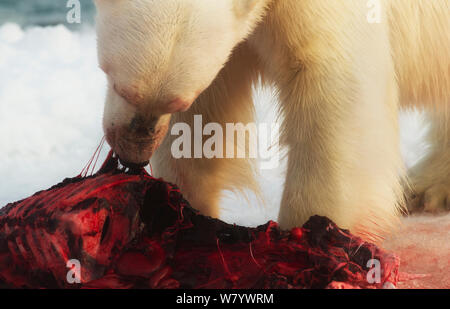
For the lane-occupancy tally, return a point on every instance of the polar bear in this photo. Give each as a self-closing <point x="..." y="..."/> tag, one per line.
<point x="341" y="79"/>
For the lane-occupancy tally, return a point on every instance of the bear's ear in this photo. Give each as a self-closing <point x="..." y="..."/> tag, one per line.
<point x="243" y="7"/>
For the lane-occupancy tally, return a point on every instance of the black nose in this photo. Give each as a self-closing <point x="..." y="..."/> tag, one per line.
<point x="142" y="127"/>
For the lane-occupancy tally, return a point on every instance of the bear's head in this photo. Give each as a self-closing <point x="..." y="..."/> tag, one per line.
<point x="159" y="55"/>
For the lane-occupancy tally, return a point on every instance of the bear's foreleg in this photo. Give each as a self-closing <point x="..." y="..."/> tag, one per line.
<point x="430" y="179"/>
<point x="228" y="100"/>
<point x="338" y="96"/>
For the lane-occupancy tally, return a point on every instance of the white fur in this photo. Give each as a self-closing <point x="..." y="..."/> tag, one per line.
<point x="340" y="79"/>
<point x="171" y="50"/>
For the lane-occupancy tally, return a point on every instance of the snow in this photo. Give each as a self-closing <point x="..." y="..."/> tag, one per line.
<point x="51" y="103"/>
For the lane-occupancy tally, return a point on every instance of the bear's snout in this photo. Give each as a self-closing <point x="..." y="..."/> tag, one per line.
<point x="136" y="142"/>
